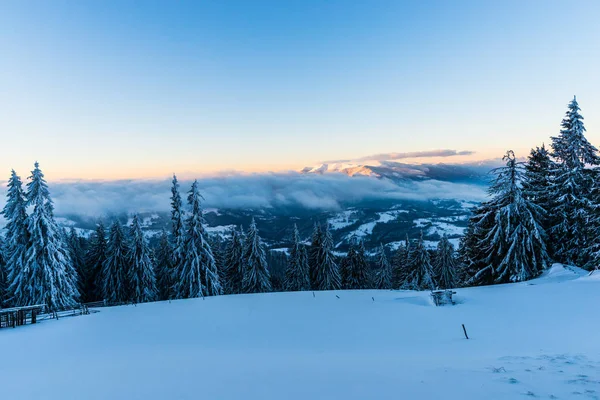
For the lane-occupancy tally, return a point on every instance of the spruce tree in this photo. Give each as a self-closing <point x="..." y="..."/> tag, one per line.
<point x="140" y="275"/>
<point x="297" y="273"/>
<point x="16" y="239"/>
<point x="383" y="275"/>
<point x="94" y="260"/>
<point x="510" y="244"/>
<point x="314" y="254"/>
<point x="572" y="213"/>
<point x="256" y="278"/>
<point x="421" y="271"/>
<point x="327" y="273"/>
<point x="48" y="276"/>
<point x="445" y="264"/>
<point x="356" y="274"/>
<point x="163" y="258"/>
<point x="3" y="276"/>
<point x="537" y="180"/>
<point x="234" y="263"/>
<point x="177" y="224"/>
<point x="115" y="279"/>
<point x="400" y="265"/>
<point x="77" y="253"/>
<point x="196" y="272"/>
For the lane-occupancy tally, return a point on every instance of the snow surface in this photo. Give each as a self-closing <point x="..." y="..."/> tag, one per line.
<point x="534" y="339"/>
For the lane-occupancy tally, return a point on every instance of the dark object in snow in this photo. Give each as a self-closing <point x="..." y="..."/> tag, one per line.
<point x="442" y="297"/>
<point x="337" y="296"/>
<point x="465" y="331"/>
<point x="17" y="316"/>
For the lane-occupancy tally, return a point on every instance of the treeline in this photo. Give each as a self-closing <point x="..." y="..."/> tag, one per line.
<point x="546" y="209"/>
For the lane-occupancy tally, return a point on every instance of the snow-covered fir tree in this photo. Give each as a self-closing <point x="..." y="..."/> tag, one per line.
<point x="48" y="276"/>
<point x="400" y="265"/>
<point x="256" y="278"/>
<point x="177" y="224"/>
<point x="16" y="237"/>
<point x="356" y="268"/>
<point x="537" y="180"/>
<point x="383" y="274"/>
<point x="94" y="260"/>
<point x="445" y="264"/>
<point x="327" y="273"/>
<point x="297" y="272"/>
<point x="140" y="276"/>
<point x="573" y="179"/>
<point x="314" y="254"/>
<point x="234" y="263"/>
<point x="115" y="279"/>
<point x="510" y="241"/>
<point x="163" y="259"/>
<point x="77" y="253"/>
<point x="421" y="271"/>
<point x="196" y="273"/>
<point x="216" y="245"/>
<point x="3" y="276"/>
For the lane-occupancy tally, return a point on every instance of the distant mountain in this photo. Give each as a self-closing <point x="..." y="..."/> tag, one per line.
<point x="476" y="173"/>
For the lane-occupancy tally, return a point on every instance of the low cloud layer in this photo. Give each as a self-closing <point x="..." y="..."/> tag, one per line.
<point x="312" y="192"/>
<point x="401" y="156"/>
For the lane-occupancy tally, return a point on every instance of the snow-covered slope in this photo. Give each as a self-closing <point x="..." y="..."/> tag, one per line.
<point x="530" y="340"/>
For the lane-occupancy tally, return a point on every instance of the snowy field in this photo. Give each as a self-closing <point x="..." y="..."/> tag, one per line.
<point x="537" y="339"/>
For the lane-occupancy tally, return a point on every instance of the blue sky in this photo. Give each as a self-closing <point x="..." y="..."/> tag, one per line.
<point x="129" y="89"/>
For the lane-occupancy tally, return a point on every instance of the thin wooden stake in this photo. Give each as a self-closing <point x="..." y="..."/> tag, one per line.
<point x="465" y="331"/>
<point x="313" y="294"/>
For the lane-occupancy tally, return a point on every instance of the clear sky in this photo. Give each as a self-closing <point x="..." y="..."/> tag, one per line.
<point x="128" y="89"/>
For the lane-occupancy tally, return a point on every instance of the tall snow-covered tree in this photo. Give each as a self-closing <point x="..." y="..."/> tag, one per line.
<point x="445" y="264"/>
<point x="383" y="275"/>
<point x="400" y="265"/>
<point x="115" y="279"/>
<point x="16" y="238"/>
<point x="297" y="273"/>
<point x="356" y="269"/>
<point x="94" y="260"/>
<point x="537" y="179"/>
<point x="314" y="254"/>
<point x="327" y="273"/>
<point x="141" y="278"/>
<point x="177" y="223"/>
<point x="3" y="276"/>
<point x="48" y="276"/>
<point x="511" y="241"/>
<point x="256" y="277"/>
<point x="163" y="258"/>
<point x="196" y="273"/>
<point x="573" y="180"/>
<point x="421" y="271"/>
<point x="77" y="253"/>
<point x="234" y="263"/>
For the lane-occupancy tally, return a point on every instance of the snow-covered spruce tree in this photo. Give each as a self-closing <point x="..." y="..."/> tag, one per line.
<point x="234" y="263"/>
<point x="141" y="278"/>
<point x="94" y="260"/>
<point x="256" y="278"/>
<point x="421" y="271"/>
<point x="327" y="273"/>
<point x="400" y="265"/>
<point x="356" y="274"/>
<point x="77" y="253"/>
<point x="513" y="247"/>
<point x="445" y="264"/>
<point x="16" y="238"/>
<point x="196" y="271"/>
<point x="163" y="259"/>
<point x="297" y="272"/>
<point x="115" y="279"/>
<point x="314" y="254"/>
<point x="573" y="181"/>
<point x="383" y="275"/>
<point x="48" y="276"/>
<point x="177" y="225"/>
<point x="216" y="245"/>
<point x="537" y="180"/>
<point x="3" y="276"/>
